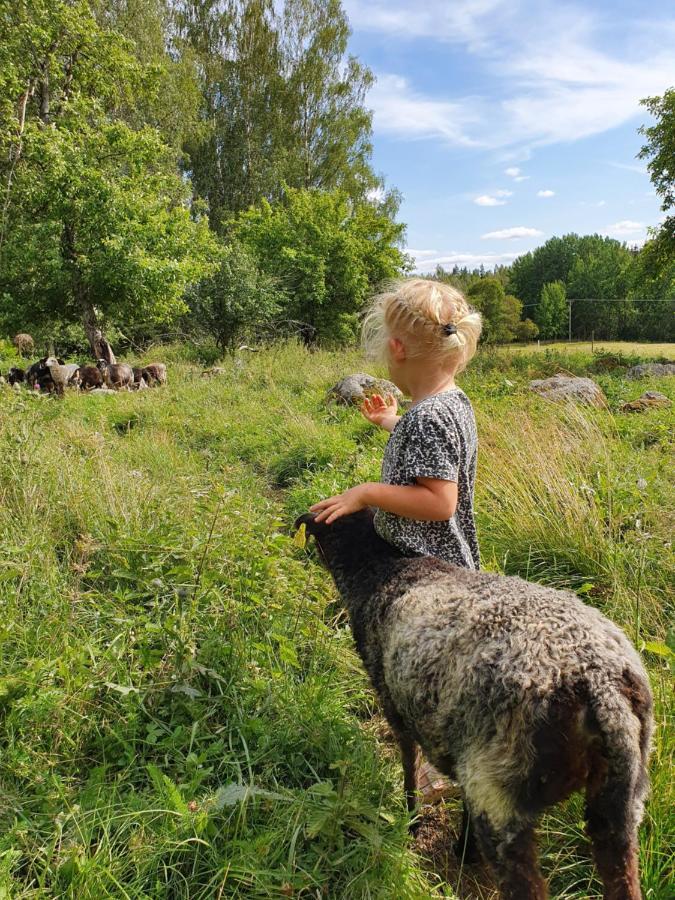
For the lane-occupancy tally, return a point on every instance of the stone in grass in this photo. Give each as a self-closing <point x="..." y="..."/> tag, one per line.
<point x="649" y="400"/>
<point x="657" y="369"/>
<point x="568" y="387"/>
<point x="353" y="389"/>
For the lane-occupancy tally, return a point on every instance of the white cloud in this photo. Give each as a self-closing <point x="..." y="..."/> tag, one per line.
<point x="546" y="193"/>
<point x="549" y="80"/>
<point x="398" y="109"/>
<point x="487" y="200"/>
<point x="421" y="253"/>
<point x="456" y="22"/>
<point x="426" y="263"/>
<point x="519" y="231"/>
<point x="512" y="171"/>
<point x="504" y="193"/>
<point x="624" y="228"/>
<point x="630" y="167"/>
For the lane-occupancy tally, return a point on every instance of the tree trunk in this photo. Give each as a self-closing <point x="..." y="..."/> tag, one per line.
<point x="100" y="348"/>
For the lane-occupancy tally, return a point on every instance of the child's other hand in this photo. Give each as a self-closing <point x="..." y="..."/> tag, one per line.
<point x="333" y="508"/>
<point x="380" y="410"/>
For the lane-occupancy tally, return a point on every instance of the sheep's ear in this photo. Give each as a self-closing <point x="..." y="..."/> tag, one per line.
<point x="306" y="519"/>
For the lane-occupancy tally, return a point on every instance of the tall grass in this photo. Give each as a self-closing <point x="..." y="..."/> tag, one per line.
<point x="182" y="714"/>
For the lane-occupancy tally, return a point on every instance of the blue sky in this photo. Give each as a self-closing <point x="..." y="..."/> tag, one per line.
<point x="505" y="123"/>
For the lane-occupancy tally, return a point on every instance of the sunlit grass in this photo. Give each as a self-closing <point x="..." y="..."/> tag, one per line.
<point x="165" y="647"/>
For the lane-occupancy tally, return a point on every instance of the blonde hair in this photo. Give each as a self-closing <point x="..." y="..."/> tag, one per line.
<point x="419" y="310"/>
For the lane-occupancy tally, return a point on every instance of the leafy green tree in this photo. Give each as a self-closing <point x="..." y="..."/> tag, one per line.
<point x="237" y="298"/>
<point x="329" y="133"/>
<point x="501" y="312"/>
<point x="526" y="330"/>
<point x="282" y="103"/>
<point x="590" y="267"/>
<point x="326" y="254"/>
<point x="97" y="224"/>
<point x="660" y="151"/>
<point x="653" y="277"/>
<point x="552" y="312"/>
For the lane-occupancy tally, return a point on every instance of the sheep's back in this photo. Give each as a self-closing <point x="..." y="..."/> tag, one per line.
<point x="458" y="643"/>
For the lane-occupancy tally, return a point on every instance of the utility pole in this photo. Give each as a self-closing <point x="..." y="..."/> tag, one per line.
<point x="569" y="320"/>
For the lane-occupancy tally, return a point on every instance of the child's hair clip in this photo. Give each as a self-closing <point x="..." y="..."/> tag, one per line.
<point x="449" y="329"/>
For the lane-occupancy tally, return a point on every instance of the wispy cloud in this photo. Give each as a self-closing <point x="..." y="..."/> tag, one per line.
<point x="427" y="260"/>
<point x="507" y="234"/>
<point x="630" y="167"/>
<point x="401" y="110"/>
<point x="552" y="78"/>
<point x="515" y="173"/>
<point x="625" y="228"/>
<point x="495" y="199"/>
<point x="546" y="193"/>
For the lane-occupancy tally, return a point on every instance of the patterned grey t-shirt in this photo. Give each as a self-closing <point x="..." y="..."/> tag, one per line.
<point x="436" y="438"/>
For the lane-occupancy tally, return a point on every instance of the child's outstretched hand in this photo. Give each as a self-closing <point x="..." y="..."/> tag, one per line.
<point x="381" y="411"/>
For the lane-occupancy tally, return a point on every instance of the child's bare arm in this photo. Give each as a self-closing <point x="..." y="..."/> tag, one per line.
<point x="429" y="500"/>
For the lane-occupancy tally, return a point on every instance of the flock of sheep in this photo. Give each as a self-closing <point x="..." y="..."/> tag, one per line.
<point x="52" y="375"/>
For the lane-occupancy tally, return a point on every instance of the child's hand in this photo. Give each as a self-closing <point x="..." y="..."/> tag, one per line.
<point x="350" y="501"/>
<point x="381" y="411"/>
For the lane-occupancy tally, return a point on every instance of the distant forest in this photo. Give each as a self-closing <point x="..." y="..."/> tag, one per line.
<point x="204" y="168"/>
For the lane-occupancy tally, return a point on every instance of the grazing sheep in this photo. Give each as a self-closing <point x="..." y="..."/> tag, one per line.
<point x="39" y="376"/>
<point x="140" y="381"/>
<point x="117" y="376"/>
<point x="155" y="373"/>
<point x="63" y="375"/>
<point x="24" y="344"/>
<point x="519" y="692"/>
<point x="16" y="376"/>
<point x="90" y="378"/>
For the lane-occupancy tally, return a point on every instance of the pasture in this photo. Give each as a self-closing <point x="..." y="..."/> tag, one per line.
<point x="182" y="712"/>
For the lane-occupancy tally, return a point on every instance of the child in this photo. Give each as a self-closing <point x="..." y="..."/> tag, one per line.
<point x="427" y="333"/>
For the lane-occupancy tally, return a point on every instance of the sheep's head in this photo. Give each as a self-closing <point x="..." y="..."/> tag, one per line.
<point x="101" y="365"/>
<point x="344" y="536"/>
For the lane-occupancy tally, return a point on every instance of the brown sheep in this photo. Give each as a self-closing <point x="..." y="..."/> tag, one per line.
<point x="117" y="376"/>
<point x="155" y="373"/>
<point x="90" y="378"/>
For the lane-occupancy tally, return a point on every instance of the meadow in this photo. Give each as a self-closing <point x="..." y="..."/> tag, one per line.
<point x="182" y="712"/>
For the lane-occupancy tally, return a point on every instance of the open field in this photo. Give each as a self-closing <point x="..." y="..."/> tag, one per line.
<point x="182" y="713"/>
<point x="667" y="351"/>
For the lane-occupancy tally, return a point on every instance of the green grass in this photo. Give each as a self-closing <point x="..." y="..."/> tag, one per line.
<point x="182" y="714"/>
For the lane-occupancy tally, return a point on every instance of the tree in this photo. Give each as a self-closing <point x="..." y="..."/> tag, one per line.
<point x="660" y="151"/>
<point x="590" y="267"/>
<point x="653" y="276"/>
<point x="501" y="312"/>
<point x="97" y="223"/>
<point x="237" y="297"/>
<point x="282" y="104"/>
<point x="326" y="254"/>
<point x="526" y="330"/>
<point x="551" y="313"/>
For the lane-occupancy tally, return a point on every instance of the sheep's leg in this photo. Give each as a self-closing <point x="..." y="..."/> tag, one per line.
<point x="407" y="746"/>
<point x="466" y="847"/>
<point x="612" y="827"/>
<point x="512" y="855"/>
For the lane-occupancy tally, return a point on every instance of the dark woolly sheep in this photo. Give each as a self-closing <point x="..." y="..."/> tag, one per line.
<point x="519" y="692"/>
<point x="16" y="376"/>
<point x="140" y="382"/>
<point x="90" y="378"/>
